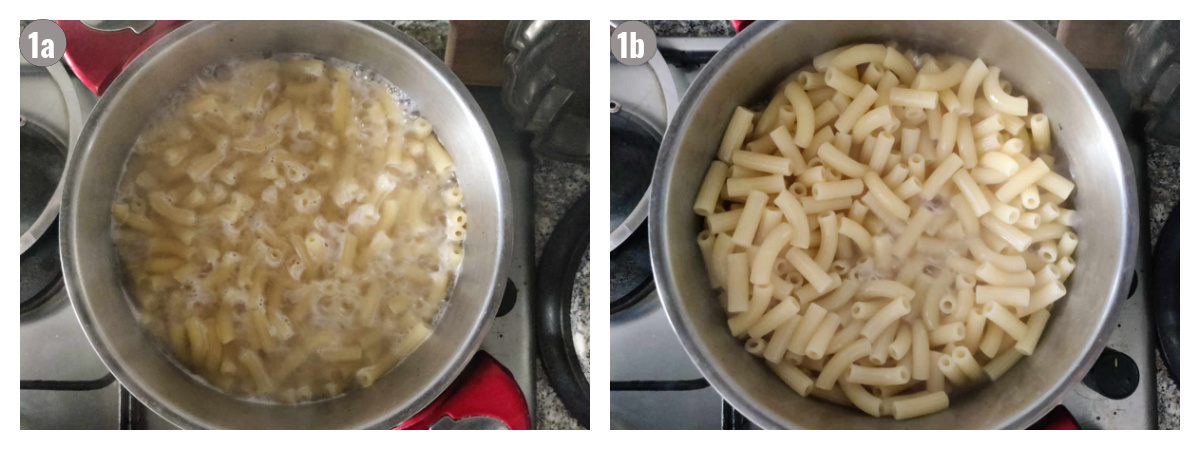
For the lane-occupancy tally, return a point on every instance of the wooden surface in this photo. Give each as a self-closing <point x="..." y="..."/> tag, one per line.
<point x="475" y="51"/>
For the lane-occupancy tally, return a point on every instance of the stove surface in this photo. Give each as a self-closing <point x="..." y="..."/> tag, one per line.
<point x="656" y="386"/>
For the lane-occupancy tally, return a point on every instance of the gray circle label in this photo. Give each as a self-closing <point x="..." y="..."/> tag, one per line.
<point x="633" y="43"/>
<point x="43" y="43"/>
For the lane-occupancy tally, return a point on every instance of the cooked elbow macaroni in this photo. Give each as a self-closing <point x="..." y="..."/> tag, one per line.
<point x="289" y="227"/>
<point x="880" y="271"/>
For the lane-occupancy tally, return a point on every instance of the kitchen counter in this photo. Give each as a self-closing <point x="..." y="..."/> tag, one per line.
<point x="557" y="185"/>
<point x="1162" y="167"/>
<point x="722" y="28"/>
<point x="1162" y="163"/>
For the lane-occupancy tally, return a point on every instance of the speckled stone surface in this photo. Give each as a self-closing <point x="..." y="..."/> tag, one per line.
<point x="711" y="28"/>
<point x="430" y="33"/>
<point x="691" y="28"/>
<point x="581" y="305"/>
<point x="557" y="185"/>
<point x="1162" y="167"/>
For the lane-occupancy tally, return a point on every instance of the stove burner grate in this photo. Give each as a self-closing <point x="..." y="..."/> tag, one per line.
<point x="631" y="279"/>
<point x="41" y="271"/>
<point x="58" y="385"/>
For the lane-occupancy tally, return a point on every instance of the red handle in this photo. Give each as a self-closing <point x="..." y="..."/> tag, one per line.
<point x="97" y="57"/>
<point x="739" y="25"/>
<point x="1058" y="419"/>
<point x="485" y="389"/>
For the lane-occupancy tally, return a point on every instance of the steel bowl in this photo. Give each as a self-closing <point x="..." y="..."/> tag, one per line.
<point x="89" y="258"/>
<point x="1087" y="137"/>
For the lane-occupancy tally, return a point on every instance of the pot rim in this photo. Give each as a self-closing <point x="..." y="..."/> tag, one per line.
<point x="73" y="270"/>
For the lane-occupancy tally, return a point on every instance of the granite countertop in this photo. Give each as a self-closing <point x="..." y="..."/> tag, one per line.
<point x="1162" y="167"/>
<point x="720" y="28"/>
<point x="1162" y="163"/>
<point x="557" y="185"/>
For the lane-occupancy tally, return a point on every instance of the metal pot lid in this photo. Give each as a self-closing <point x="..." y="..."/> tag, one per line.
<point x="51" y="117"/>
<point x="642" y="101"/>
<point x="634" y="144"/>
<point x="633" y="147"/>
<point x="43" y="159"/>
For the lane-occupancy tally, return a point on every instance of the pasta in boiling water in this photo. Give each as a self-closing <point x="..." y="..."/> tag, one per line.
<point x="289" y="227"/>
<point x="899" y="240"/>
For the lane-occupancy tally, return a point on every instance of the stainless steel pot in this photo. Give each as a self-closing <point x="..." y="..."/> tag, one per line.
<point x="90" y="262"/>
<point x="1087" y="136"/>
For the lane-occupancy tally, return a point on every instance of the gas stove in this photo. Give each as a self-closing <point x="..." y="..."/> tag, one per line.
<point x="656" y="386"/>
<point x="64" y="384"/>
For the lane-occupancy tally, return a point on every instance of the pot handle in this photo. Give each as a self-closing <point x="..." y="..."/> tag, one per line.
<point x="1059" y="419"/>
<point x="485" y="393"/>
<point x="98" y="50"/>
<point x="739" y="25"/>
